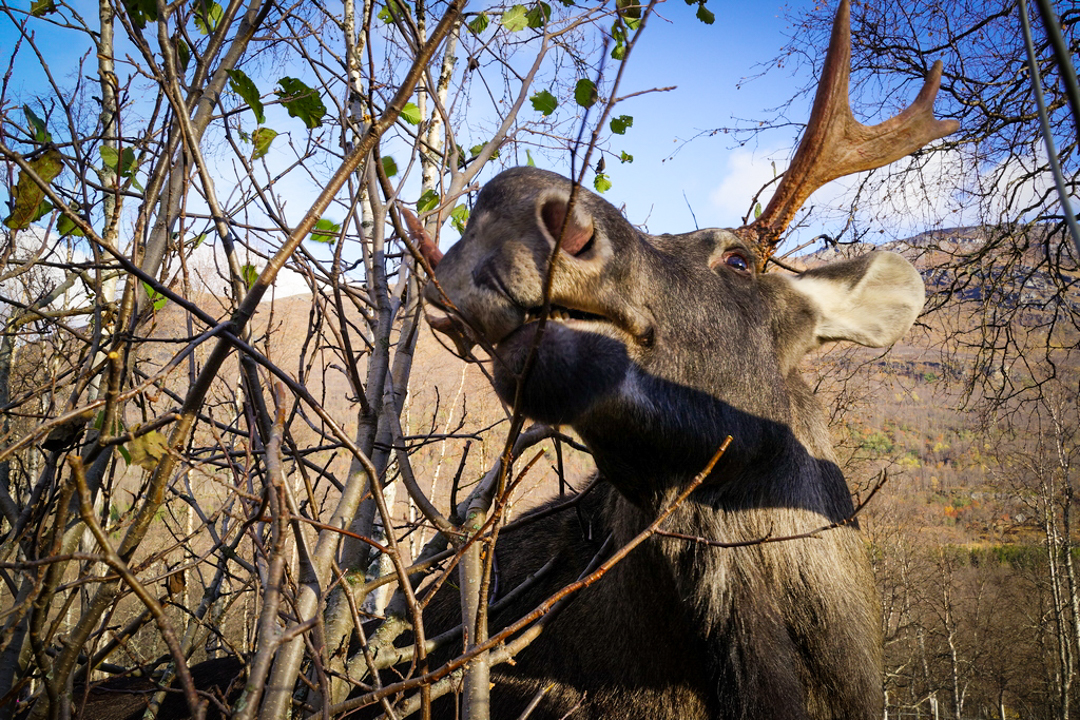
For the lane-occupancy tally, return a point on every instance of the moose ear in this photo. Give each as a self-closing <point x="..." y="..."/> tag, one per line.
<point x="871" y="300"/>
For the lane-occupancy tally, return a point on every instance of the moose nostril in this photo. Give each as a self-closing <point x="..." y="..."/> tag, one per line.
<point x="484" y="276"/>
<point x="583" y="248"/>
<point x="574" y="236"/>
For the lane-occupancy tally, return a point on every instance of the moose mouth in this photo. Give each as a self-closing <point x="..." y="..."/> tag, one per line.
<point x="464" y="335"/>
<point x="560" y="313"/>
<point x="631" y="329"/>
<point x="515" y="320"/>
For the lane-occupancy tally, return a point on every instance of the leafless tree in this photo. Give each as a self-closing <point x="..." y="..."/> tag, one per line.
<point x="190" y="464"/>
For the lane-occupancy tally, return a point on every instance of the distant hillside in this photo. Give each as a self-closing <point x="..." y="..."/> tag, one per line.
<point x="906" y="410"/>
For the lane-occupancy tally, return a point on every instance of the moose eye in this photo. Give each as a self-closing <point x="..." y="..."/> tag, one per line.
<point x="737" y="260"/>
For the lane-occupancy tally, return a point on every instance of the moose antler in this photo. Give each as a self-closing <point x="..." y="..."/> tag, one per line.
<point x="836" y="144"/>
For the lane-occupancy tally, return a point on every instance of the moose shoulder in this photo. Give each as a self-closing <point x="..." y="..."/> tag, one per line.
<point x="654" y="349"/>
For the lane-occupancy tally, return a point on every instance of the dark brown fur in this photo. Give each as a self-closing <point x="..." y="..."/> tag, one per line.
<point x="219" y="681"/>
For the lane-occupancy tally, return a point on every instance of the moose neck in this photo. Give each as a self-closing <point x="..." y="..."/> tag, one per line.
<point x="724" y="536"/>
<point x="649" y="459"/>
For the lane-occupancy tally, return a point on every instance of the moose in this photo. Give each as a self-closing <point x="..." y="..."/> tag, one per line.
<point x="654" y="349"/>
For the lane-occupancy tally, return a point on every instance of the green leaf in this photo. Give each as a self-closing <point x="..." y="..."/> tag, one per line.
<point x="207" y="16"/>
<point x="757" y="210"/>
<point x="618" y="34"/>
<point x="157" y="300"/>
<point x="109" y="156"/>
<point x="528" y="158"/>
<point x="301" y="102"/>
<point x="122" y="163"/>
<point x="458" y="217"/>
<point x="619" y="124"/>
<point x="41" y="8"/>
<point x="389" y="166"/>
<point x="704" y="15"/>
<point x="629" y="8"/>
<point x="249" y="274"/>
<point x="601" y="183"/>
<point x="391" y="9"/>
<point x="411" y="114"/>
<point x="260" y="140"/>
<point x="428" y="201"/>
<point x="514" y="19"/>
<point x="477" y="149"/>
<point x="494" y="155"/>
<point x="141" y="11"/>
<point x="243" y="86"/>
<point x="27" y="199"/>
<point x="625" y="157"/>
<point x="49" y="164"/>
<point x="544" y="102"/>
<point x="147" y="450"/>
<point x="538" y="15"/>
<point x="585" y="93"/>
<point x="183" y="53"/>
<point x="41" y="132"/>
<point x="479" y="23"/>
<point x="42" y="210"/>
<point x="67" y="227"/>
<point x="632" y="24"/>
<point x="326" y="231"/>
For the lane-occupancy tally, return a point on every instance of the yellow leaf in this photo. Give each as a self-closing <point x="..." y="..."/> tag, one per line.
<point x="147" y="450"/>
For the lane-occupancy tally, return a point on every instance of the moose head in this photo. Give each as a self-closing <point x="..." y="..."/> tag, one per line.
<point x="654" y="347"/>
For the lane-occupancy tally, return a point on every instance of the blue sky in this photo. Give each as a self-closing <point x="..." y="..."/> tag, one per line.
<point x="706" y="63"/>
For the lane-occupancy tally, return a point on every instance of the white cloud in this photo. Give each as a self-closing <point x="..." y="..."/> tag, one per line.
<point x="208" y="269"/>
<point x="744" y="174"/>
<point x="939" y="190"/>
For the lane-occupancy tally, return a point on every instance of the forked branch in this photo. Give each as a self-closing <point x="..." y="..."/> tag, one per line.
<point x="836" y="144"/>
